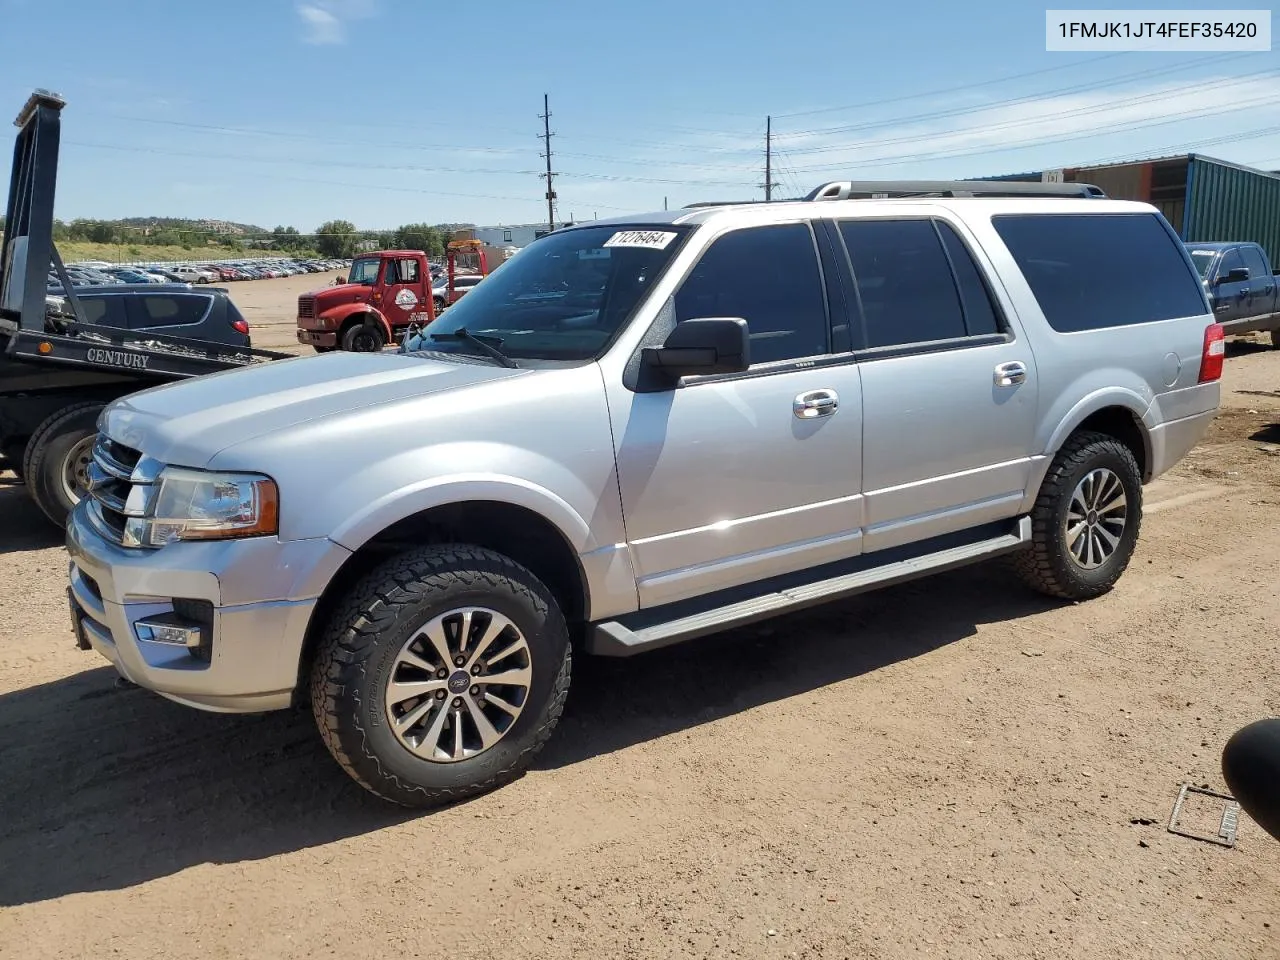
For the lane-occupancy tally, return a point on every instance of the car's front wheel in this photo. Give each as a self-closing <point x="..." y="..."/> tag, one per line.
<point x="441" y="675"/>
<point x="1084" y="526"/>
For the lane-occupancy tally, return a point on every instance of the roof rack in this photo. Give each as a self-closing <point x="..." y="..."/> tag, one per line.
<point x="898" y="189"/>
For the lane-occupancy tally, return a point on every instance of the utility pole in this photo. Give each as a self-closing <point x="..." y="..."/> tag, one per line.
<point x="546" y="138"/>
<point x="768" y="160"/>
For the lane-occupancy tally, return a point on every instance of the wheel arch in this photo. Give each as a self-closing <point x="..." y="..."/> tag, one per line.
<point x="516" y="530"/>
<point x="1121" y="414"/>
<point x="350" y="314"/>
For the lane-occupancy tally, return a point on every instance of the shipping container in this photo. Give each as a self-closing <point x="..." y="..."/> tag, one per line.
<point x="1202" y="197"/>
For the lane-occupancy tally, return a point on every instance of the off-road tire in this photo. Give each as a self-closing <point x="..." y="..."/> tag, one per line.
<point x="1047" y="565"/>
<point x="46" y="454"/>
<point x="357" y="329"/>
<point x="365" y="634"/>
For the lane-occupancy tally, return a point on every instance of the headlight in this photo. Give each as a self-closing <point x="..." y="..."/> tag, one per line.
<point x="198" y="505"/>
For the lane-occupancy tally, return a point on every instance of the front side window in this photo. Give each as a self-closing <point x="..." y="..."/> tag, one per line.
<point x="769" y="277"/>
<point x="364" y="271"/>
<point x="563" y="297"/>
<point x="408" y="270"/>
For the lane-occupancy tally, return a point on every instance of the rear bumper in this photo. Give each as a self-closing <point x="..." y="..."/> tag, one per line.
<point x="318" y="338"/>
<point x="1171" y="441"/>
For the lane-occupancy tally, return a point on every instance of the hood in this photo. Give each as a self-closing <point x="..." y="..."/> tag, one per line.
<point x="189" y="422"/>
<point x="346" y="293"/>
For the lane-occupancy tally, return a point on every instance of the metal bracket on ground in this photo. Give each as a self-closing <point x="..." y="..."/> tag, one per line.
<point x="1227" y="823"/>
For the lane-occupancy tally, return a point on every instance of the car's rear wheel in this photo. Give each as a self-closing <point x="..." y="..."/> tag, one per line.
<point x="441" y="675"/>
<point x="363" y="338"/>
<point x="1085" y="521"/>
<point x="56" y="461"/>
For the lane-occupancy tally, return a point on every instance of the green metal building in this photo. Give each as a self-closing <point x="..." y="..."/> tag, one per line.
<point x="1202" y="197"/>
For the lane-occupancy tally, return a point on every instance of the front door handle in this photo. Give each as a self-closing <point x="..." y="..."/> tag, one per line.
<point x="1010" y="374"/>
<point x="815" y="403"/>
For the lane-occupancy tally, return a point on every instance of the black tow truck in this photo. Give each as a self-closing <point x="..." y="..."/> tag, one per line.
<point x="58" y="371"/>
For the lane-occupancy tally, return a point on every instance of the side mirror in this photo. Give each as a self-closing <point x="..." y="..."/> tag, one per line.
<point x="1251" y="768"/>
<point x="703" y="346"/>
<point x="1236" y="275"/>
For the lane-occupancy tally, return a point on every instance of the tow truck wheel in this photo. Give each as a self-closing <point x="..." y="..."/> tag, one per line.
<point x="441" y="674"/>
<point x="57" y="459"/>
<point x="363" y="338"/>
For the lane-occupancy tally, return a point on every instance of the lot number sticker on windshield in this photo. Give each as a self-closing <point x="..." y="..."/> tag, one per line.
<point x="650" y="239"/>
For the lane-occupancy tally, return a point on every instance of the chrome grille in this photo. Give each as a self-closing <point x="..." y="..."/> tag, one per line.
<point x="306" y="306"/>
<point x="118" y="490"/>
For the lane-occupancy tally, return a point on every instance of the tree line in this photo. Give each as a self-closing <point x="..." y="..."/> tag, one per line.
<point x="334" y="238"/>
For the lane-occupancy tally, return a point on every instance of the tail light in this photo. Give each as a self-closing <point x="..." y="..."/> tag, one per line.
<point x="1211" y="356"/>
<point x="241" y="326"/>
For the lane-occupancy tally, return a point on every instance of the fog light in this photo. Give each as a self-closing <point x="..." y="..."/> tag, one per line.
<point x="171" y="629"/>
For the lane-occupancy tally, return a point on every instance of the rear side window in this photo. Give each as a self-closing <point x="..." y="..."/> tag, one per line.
<point x="1093" y="271"/>
<point x="904" y="282"/>
<point x="107" y="311"/>
<point x="769" y="277"/>
<point x="169" y="311"/>
<point x="1253" y="260"/>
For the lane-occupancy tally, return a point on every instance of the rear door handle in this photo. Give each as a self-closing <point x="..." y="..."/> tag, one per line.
<point x="816" y="403"/>
<point x="1010" y="374"/>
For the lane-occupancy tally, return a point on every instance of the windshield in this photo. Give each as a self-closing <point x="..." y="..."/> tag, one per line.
<point x="364" y="271"/>
<point x="564" y="296"/>
<point x="1202" y="259"/>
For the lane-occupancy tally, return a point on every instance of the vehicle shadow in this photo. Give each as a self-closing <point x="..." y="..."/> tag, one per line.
<point x="615" y="703"/>
<point x="108" y="787"/>
<point x="1268" y="434"/>
<point x="1240" y="348"/>
<point x="22" y="526"/>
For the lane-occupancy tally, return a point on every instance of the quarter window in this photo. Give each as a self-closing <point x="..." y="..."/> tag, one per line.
<point x="769" y="277"/>
<point x="1100" y="270"/>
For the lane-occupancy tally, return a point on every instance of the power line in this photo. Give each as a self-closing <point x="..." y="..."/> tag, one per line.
<point x="546" y="139"/>
<point x="997" y="104"/>
<point x="1084" y="134"/>
<point x="1170" y="93"/>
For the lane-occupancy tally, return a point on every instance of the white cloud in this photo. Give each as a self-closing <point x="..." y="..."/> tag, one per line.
<point x="325" y="21"/>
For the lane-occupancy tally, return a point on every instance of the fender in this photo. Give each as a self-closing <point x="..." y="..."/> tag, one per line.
<point x="1130" y="400"/>
<point x="379" y="514"/>
<point x="340" y="314"/>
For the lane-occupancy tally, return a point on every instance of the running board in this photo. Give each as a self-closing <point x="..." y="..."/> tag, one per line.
<point x="613" y="639"/>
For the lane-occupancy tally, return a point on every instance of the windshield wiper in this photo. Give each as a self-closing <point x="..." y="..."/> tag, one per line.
<point x="487" y="344"/>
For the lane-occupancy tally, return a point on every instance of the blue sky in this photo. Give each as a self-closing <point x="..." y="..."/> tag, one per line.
<point x="384" y="112"/>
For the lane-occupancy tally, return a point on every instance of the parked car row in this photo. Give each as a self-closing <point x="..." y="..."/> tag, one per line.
<point x="97" y="273"/>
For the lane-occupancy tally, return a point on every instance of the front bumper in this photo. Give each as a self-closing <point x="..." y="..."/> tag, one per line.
<point x="263" y="592"/>
<point x="318" y="338"/>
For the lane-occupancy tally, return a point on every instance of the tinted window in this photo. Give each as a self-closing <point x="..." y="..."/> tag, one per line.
<point x="1091" y="271"/>
<point x="904" y="282"/>
<point x="562" y="297"/>
<point x="1253" y="260"/>
<point x="1231" y="260"/>
<point x="979" y="311"/>
<point x="169" y="311"/>
<point x="769" y="277"/>
<point x="95" y="309"/>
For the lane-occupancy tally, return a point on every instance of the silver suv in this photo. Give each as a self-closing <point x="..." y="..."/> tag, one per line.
<point x="637" y="432"/>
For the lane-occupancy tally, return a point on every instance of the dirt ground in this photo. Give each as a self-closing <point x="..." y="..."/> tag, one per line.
<point x="952" y="768"/>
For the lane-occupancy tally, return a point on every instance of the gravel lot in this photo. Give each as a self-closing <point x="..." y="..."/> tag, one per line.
<point x="952" y="768"/>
